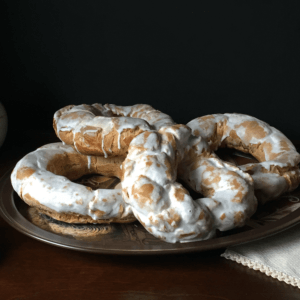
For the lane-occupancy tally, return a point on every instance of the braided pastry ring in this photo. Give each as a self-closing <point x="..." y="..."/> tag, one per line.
<point x="43" y="179"/>
<point x="228" y="191"/>
<point x="105" y="130"/>
<point x="163" y="206"/>
<point x="277" y="171"/>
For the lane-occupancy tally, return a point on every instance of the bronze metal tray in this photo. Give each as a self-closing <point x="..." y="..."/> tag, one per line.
<point x="133" y="239"/>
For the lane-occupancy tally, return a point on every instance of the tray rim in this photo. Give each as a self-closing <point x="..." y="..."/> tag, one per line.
<point x="64" y="242"/>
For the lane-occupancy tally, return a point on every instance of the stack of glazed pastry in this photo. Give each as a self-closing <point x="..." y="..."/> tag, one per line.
<point x="149" y="152"/>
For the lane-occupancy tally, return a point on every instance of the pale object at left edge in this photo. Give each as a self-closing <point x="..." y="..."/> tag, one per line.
<point x="3" y="124"/>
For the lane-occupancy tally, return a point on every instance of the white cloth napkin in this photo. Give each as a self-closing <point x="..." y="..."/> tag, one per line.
<point x="277" y="256"/>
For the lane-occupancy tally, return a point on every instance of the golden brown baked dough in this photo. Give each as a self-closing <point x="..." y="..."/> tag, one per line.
<point x="277" y="171"/>
<point x="105" y="130"/>
<point x="43" y="179"/>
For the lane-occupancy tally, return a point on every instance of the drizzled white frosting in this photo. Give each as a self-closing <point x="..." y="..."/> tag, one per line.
<point x="59" y="193"/>
<point x="277" y="149"/>
<point x="104" y="152"/>
<point x="90" y="120"/>
<point x="163" y="206"/>
<point x="229" y="191"/>
<point x="89" y="161"/>
<point x="154" y="117"/>
<point x="149" y="185"/>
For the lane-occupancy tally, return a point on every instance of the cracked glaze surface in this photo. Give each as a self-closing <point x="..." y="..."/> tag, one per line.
<point x="105" y="130"/>
<point x="43" y="179"/>
<point x="159" y="151"/>
<point x="163" y="206"/>
<point x="277" y="171"/>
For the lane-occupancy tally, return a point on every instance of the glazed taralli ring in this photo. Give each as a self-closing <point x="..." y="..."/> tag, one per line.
<point x="277" y="169"/>
<point x="228" y="191"/>
<point x="105" y="130"/>
<point x="163" y="206"/>
<point x="158" y="152"/>
<point x="43" y="179"/>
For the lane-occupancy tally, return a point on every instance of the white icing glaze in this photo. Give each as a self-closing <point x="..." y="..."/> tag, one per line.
<point x="105" y="154"/>
<point x="149" y="186"/>
<point x="89" y="161"/>
<point x="102" y="119"/>
<point x="119" y="141"/>
<point x="151" y="168"/>
<point x="59" y="193"/>
<point x="282" y="154"/>
<point x="154" y="117"/>
<point x="231" y="193"/>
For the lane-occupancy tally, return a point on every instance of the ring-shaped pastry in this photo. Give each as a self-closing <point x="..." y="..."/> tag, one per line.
<point x="43" y="179"/>
<point x="277" y="169"/>
<point x="228" y="191"/>
<point x="105" y="130"/>
<point x="163" y="206"/>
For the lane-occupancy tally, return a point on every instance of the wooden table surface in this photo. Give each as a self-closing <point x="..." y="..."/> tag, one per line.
<point x="30" y="269"/>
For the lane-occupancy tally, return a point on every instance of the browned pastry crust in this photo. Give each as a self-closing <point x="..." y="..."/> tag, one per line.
<point x="43" y="179"/>
<point x="78" y="231"/>
<point x="277" y="170"/>
<point x="96" y="130"/>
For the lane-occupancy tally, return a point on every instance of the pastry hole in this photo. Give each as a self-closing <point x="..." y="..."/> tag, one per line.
<point x="236" y="157"/>
<point x="98" y="181"/>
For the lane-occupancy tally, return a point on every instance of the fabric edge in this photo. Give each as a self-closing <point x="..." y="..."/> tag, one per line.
<point x="281" y="276"/>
